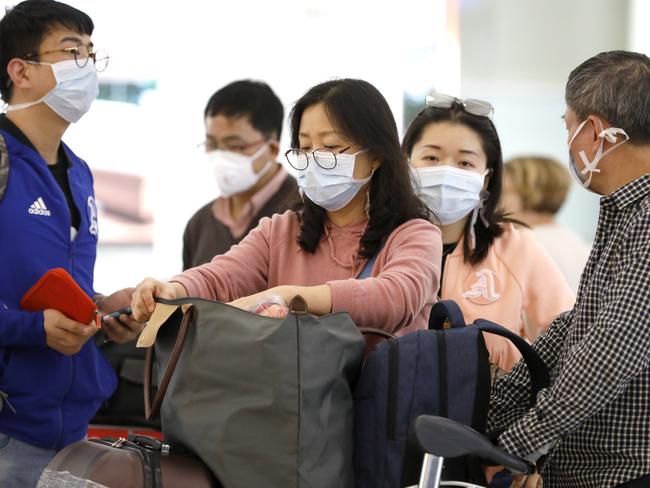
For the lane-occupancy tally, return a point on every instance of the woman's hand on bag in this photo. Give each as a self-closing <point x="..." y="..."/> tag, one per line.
<point x="318" y="298"/>
<point x="252" y="302"/>
<point x="143" y="301"/>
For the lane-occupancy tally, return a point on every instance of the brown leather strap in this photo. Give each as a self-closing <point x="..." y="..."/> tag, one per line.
<point x="376" y="332"/>
<point x="298" y="305"/>
<point x="151" y="410"/>
<point x="148" y="372"/>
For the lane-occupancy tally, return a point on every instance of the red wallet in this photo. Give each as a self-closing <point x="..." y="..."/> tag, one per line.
<point x="58" y="290"/>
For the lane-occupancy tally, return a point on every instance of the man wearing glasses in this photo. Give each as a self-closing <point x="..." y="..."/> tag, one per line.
<point x="52" y="377"/>
<point x="243" y="124"/>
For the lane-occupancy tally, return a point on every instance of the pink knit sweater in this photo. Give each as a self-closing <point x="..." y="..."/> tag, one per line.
<point x="397" y="297"/>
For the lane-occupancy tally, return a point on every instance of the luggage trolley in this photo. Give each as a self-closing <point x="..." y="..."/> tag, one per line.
<point x="443" y="438"/>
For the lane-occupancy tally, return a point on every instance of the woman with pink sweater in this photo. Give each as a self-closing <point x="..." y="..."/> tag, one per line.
<point x="490" y="268"/>
<point x="357" y="203"/>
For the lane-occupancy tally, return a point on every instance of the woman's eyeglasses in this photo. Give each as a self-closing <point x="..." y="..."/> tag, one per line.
<point x="299" y="159"/>
<point x="471" y="105"/>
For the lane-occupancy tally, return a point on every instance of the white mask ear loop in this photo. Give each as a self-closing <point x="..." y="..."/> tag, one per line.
<point x="610" y="134"/>
<point x="268" y="164"/>
<point x="367" y="205"/>
<point x="19" y="106"/>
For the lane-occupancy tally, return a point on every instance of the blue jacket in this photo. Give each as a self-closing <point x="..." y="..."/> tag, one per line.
<point x="54" y="395"/>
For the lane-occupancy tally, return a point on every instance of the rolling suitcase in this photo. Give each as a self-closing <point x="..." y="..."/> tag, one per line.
<point x="137" y="462"/>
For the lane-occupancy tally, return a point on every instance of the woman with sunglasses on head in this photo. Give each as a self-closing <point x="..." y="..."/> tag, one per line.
<point x="491" y="269"/>
<point x="358" y="204"/>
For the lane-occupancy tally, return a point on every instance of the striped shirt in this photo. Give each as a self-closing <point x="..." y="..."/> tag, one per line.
<point x="594" y="420"/>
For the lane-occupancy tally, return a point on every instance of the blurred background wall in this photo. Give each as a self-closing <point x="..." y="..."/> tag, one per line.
<point x="167" y="58"/>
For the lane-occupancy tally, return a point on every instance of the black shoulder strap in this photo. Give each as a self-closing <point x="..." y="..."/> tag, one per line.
<point x="539" y="376"/>
<point x="4" y="166"/>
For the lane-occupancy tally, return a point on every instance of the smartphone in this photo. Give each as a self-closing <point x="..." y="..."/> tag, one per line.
<point x="117" y="313"/>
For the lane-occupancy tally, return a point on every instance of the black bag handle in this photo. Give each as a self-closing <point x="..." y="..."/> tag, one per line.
<point x="539" y="376"/>
<point x="446" y="310"/>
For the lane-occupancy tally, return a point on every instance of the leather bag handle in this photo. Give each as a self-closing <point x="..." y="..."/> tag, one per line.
<point x="370" y="331"/>
<point x="298" y="305"/>
<point x="152" y="409"/>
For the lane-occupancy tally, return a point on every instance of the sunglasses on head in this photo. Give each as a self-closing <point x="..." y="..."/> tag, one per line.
<point x="471" y="105"/>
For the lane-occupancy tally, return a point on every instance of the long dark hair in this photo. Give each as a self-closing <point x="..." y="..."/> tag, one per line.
<point x="487" y="132"/>
<point x="361" y="114"/>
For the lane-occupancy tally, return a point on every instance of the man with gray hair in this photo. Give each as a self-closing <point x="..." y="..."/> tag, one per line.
<point x="591" y="427"/>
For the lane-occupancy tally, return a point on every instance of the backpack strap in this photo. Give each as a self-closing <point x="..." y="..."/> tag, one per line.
<point x="4" y="166"/>
<point x="367" y="269"/>
<point x="539" y="376"/>
<point x="443" y="311"/>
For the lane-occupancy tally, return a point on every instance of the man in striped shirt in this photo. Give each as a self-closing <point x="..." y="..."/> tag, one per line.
<point x="591" y="427"/>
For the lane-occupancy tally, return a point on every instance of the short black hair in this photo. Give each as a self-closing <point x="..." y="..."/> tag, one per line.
<point x="24" y="27"/>
<point x="252" y="99"/>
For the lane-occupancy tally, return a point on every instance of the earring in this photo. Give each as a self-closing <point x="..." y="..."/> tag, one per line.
<point x="367" y="208"/>
<point x="484" y="197"/>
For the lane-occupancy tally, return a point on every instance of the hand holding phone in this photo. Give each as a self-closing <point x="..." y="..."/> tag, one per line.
<point x="117" y="313"/>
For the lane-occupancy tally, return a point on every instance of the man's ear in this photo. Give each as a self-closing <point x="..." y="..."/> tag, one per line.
<point x="597" y="124"/>
<point x="18" y="74"/>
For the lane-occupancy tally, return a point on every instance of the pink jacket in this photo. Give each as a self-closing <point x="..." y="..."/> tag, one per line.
<point x="397" y="297"/>
<point x="516" y="283"/>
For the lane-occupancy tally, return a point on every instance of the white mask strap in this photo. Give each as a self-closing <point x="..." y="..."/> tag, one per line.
<point x="19" y="106"/>
<point x="259" y="151"/>
<point x="265" y="169"/>
<point x="609" y="134"/>
<point x="578" y="129"/>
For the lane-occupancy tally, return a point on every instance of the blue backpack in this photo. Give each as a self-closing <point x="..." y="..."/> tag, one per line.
<point x="441" y="371"/>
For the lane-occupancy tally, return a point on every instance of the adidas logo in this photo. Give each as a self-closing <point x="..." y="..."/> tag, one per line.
<point x="39" y="208"/>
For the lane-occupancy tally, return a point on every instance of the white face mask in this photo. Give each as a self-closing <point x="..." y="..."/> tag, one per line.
<point x="449" y="192"/>
<point x="592" y="166"/>
<point x="334" y="188"/>
<point x="74" y="92"/>
<point x="234" y="172"/>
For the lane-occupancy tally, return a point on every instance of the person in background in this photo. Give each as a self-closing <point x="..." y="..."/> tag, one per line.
<point x="490" y="268"/>
<point x="52" y="376"/>
<point x="591" y="427"/>
<point x="243" y="125"/>
<point x="534" y="190"/>
<point x="357" y="204"/>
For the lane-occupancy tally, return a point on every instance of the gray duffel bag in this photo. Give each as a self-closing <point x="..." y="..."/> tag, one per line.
<point x="262" y="401"/>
